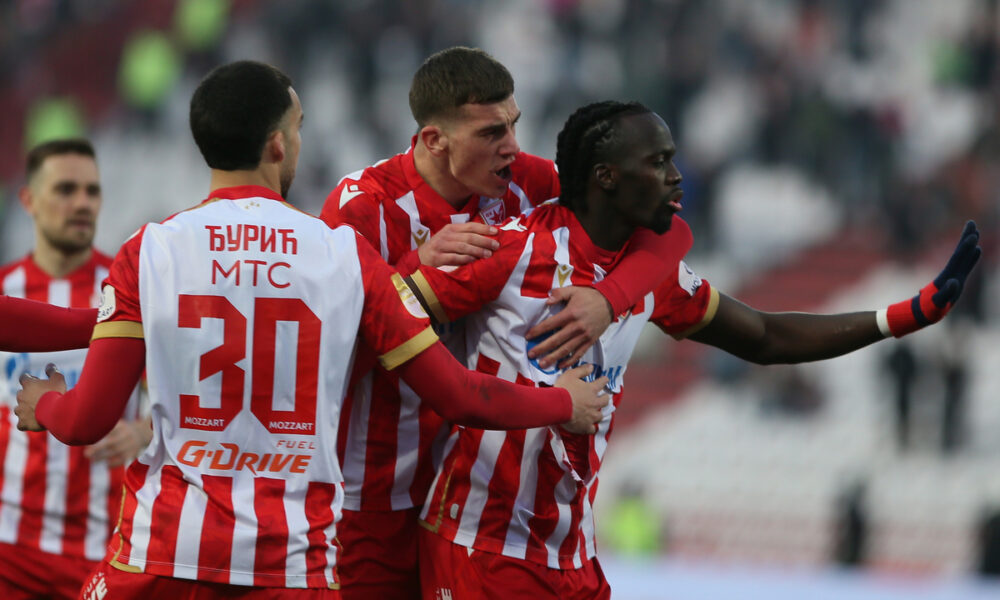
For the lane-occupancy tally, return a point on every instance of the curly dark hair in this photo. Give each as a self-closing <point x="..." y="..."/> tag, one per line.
<point x="588" y="136"/>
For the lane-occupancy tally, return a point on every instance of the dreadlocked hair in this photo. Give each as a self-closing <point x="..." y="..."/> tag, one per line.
<point x="587" y="135"/>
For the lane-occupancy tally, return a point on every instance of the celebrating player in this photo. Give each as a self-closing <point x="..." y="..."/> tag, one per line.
<point x="509" y="514"/>
<point x="437" y="204"/>
<point x="58" y="504"/>
<point x="245" y="314"/>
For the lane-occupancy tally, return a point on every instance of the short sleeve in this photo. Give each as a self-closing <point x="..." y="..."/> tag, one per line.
<point x="393" y="322"/>
<point x="120" y="315"/>
<point x="684" y="303"/>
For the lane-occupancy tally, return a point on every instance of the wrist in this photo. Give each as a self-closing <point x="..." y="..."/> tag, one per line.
<point x="615" y="297"/>
<point x="882" y="320"/>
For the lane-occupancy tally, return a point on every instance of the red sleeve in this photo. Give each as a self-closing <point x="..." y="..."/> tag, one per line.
<point x="408" y="264"/>
<point x="684" y="303"/>
<point x="392" y="322"/>
<point x="86" y="413"/>
<point x="29" y="326"/>
<point x="453" y="294"/>
<point x="648" y="260"/>
<point x="120" y="314"/>
<point x="477" y="400"/>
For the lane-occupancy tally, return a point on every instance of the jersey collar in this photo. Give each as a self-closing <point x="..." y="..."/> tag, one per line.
<point x="606" y="259"/>
<point x="244" y="191"/>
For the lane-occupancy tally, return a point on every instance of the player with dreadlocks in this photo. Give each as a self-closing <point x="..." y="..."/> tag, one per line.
<point x="509" y="514"/>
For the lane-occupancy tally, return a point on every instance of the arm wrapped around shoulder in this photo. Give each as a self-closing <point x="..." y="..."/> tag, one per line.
<point x="936" y="298"/>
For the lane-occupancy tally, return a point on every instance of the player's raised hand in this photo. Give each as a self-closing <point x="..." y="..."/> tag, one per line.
<point x="934" y="301"/>
<point x="587" y="403"/>
<point x="458" y="244"/>
<point x="31" y="390"/>
<point x="575" y="328"/>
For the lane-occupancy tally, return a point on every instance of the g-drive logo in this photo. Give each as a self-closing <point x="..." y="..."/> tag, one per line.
<point x="613" y="373"/>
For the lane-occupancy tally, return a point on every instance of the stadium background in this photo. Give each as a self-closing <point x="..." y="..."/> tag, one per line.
<point x="831" y="151"/>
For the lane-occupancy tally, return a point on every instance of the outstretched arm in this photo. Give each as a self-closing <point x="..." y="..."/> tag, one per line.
<point x="29" y="326"/>
<point x="90" y="410"/>
<point x="474" y="399"/>
<point x="768" y="338"/>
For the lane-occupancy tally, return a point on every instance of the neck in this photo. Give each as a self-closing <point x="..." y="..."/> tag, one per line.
<point x="58" y="263"/>
<point x="434" y="171"/>
<point x="263" y="177"/>
<point x="603" y="226"/>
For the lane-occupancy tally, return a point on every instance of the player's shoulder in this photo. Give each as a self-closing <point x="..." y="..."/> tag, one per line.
<point x="680" y="235"/>
<point x="531" y="165"/>
<point x="13" y="265"/>
<point x="548" y="216"/>
<point x="101" y="259"/>
<point x="372" y="185"/>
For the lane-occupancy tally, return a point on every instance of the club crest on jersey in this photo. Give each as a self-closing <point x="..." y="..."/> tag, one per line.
<point x="421" y="235"/>
<point x="562" y="274"/>
<point x="408" y="297"/>
<point x="107" y="304"/>
<point x="492" y="210"/>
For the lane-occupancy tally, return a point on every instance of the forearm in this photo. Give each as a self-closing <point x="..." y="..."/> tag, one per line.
<point x="86" y="413"/>
<point x="476" y="400"/>
<point x="638" y="273"/>
<point x="802" y="337"/>
<point x="790" y="337"/>
<point x="647" y="262"/>
<point x="28" y="326"/>
<point x="408" y="263"/>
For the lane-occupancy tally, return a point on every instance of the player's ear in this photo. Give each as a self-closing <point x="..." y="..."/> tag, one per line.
<point x="24" y="195"/>
<point x="434" y="139"/>
<point x="606" y="177"/>
<point x="274" y="149"/>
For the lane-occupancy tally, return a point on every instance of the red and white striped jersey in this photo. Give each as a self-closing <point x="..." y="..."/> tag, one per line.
<point x="389" y="440"/>
<point x="528" y="493"/>
<point x="52" y="498"/>
<point x="250" y="311"/>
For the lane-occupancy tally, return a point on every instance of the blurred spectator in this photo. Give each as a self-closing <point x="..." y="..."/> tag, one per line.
<point x="901" y="364"/>
<point x="953" y="365"/>
<point x="852" y="526"/>
<point x="633" y="526"/>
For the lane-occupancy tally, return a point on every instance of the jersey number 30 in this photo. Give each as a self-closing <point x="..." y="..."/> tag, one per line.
<point x="267" y="312"/>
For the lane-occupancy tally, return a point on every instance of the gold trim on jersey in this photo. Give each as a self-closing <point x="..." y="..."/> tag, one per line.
<point x="408" y="349"/>
<point x="713" y="307"/>
<point x="117" y="329"/>
<point x="440" y="518"/>
<point x="114" y="562"/>
<point x="428" y="298"/>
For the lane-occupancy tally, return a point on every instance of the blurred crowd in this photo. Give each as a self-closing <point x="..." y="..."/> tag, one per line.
<point x="890" y="107"/>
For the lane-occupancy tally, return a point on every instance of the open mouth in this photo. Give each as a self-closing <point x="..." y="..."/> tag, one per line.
<point x="503" y="173"/>
<point x="674" y="200"/>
